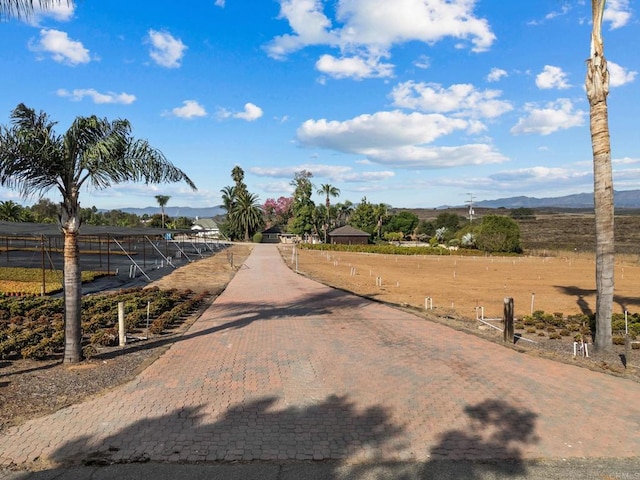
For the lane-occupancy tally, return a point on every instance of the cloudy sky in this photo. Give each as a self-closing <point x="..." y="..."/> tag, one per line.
<point x="414" y="103"/>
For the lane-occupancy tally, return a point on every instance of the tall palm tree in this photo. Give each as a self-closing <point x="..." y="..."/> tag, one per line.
<point x="597" y="86"/>
<point x="162" y="201"/>
<point x="25" y="8"/>
<point x="328" y="190"/>
<point x="93" y="151"/>
<point x="246" y="215"/>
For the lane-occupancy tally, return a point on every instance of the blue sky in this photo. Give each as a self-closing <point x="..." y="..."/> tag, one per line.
<point x="414" y="103"/>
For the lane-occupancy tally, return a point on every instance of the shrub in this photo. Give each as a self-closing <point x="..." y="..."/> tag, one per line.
<point x="618" y="340"/>
<point x="531" y="330"/>
<point x="89" y="351"/>
<point x="498" y="234"/>
<point x="565" y="332"/>
<point x="538" y="314"/>
<point x="555" y="336"/>
<point x="257" y="237"/>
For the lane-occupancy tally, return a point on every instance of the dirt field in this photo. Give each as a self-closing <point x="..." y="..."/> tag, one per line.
<point x="563" y="283"/>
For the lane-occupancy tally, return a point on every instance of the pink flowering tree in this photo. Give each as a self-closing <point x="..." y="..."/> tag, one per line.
<point x="278" y="212"/>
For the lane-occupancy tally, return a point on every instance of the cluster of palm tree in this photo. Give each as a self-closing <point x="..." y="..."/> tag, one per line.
<point x="244" y="213"/>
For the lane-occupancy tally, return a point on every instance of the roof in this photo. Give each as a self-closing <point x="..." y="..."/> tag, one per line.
<point x="348" y="231"/>
<point x="206" y="224"/>
<point x="53" y="230"/>
<point x="273" y="229"/>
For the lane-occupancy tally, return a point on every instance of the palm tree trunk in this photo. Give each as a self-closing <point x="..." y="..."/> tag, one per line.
<point x="604" y="213"/>
<point x="597" y="85"/>
<point x="72" y="295"/>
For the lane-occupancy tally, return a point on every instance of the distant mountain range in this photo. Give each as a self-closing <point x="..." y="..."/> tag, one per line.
<point x="189" y="212"/>
<point x="622" y="199"/>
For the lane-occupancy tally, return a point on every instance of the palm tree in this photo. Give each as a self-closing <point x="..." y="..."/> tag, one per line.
<point x="228" y="198"/>
<point x="24" y="8"/>
<point x="246" y="215"/>
<point x="344" y="211"/>
<point x="329" y="191"/>
<point x="93" y="151"/>
<point x="597" y="86"/>
<point x="162" y="201"/>
<point x="11" y="211"/>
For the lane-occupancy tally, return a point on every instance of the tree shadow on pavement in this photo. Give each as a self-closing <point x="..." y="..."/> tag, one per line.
<point x="257" y="431"/>
<point x="320" y="440"/>
<point x="490" y="447"/>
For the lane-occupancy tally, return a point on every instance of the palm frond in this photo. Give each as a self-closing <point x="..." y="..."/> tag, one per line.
<point x="151" y="166"/>
<point x="26" y="8"/>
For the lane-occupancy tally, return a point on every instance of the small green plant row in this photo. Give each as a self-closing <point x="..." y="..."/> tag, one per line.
<point x="34" y="328"/>
<point x="579" y="325"/>
<point x="390" y="249"/>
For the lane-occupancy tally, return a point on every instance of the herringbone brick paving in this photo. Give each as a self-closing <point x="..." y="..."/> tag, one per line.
<point x="283" y="368"/>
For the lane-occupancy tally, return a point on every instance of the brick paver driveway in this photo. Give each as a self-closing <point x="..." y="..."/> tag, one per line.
<point x="281" y="368"/>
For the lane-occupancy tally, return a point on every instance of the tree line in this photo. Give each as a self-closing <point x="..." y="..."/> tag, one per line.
<point x="47" y="211"/>
<point x="299" y="215"/>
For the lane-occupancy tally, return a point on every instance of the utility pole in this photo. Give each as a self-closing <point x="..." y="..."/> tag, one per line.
<point x="470" y="203"/>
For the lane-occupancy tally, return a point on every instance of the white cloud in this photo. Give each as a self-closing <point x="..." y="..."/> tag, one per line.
<point x="250" y="113"/>
<point x="353" y="67"/>
<point x="552" y="77"/>
<point x="420" y="157"/>
<point x="380" y="130"/>
<point x="619" y="76"/>
<point x="496" y="74"/>
<point x="166" y="50"/>
<point x="309" y="24"/>
<point x="397" y="139"/>
<point x="566" y="8"/>
<point x="461" y="99"/>
<point x="335" y="173"/>
<point x="423" y="62"/>
<point x="61" y="48"/>
<point x="220" y="3"/>
<point x="59" y="11"/>
<point x="539" y="175"/>
<point x="110" y="97"/>
<point x="367" y="30"/>
<point x="558" y="115"/>
<point x="189" y="109"/>
<point x="618" y="13"/>
<point x="381" y="23"/>
<point x="541" y="181"/>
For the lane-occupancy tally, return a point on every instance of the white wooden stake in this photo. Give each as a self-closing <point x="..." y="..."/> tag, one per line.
<point x="121" y="333"/>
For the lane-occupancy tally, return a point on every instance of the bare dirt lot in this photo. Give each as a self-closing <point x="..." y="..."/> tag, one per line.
<point x="560" y="283"/>
<point x="462" y="289"/>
